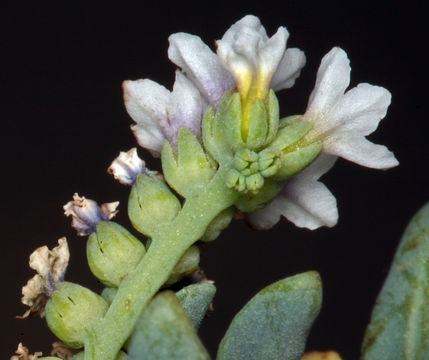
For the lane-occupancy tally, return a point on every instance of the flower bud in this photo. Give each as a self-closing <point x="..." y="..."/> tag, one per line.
<point x="113" y="252"/>
<point x="109" y="294"/>
<point x="220" y="222"/>
<point x="186" y="265"/>
<point x="151" y="203"/>
<point x="70" y="310"/>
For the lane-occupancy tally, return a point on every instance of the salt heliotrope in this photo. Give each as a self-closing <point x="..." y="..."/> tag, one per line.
<point x="225" y="150"/>
<point x="250" y="63"/>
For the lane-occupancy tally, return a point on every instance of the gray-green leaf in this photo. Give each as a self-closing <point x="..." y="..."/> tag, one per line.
<point x="164" y="331"/>
<point x="399" y="327"/>
<point x="275" y="323"/>
<point x="195" y="300"/>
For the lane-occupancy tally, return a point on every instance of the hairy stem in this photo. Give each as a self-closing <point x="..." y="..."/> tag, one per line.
<point x="169" y="243"/>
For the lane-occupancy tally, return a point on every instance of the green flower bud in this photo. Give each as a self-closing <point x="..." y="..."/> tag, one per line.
<point x="109" y="294"/>
<point x="113" y="252"/>
<point x="295" y="161"/>
<point x="151" y="203"/>
<point x="220" y="222"/>
<point x="186" y="265"/>
<point x="70" y="310"/>
<point x="290" y="135"/>
<point x="252" y="201"/>
<point x="192" y="169"/>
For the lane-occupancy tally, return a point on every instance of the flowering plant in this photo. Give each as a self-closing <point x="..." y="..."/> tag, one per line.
<point x="226" y="150"/>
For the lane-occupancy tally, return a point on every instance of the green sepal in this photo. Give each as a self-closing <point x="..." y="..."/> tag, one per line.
<point x="295" y="161"/>
<point x="70" y="310"/>
<point x="232" y="119"/>
<point x="81" y="356"/>
<point x="113" y="252"/>
<point x="109" y="293"/>
<point x="275" y="323"/>
<point x="272" y="108"/>
<point x="214" y="138"/>
<point x="290" y="135"/>
<point x="193" y="167"/>
<point x="248" y="202"/>
<point x="258" y="126"/>
<point x="151" y="203"/>
<point x="220" y="222"/>
<point x="399" y="327"/>
<point x="289" y="120"/>
<point x="196" y="299"/>
<point x="187" y="264"/>
<point x="164" y="331"/>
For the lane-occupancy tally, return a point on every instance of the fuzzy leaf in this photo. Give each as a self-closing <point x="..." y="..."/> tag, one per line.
<point x="195" y="300"/>
<point x="399" y="327"/>
<point x="164" y="331"/>
<point x="275" y="323"/>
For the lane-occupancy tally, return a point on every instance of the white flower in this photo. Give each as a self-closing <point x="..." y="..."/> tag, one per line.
<point x="257" y="62"/>
<point x="51" y="266"/>
<point x="127" y="166"/>
<point x="205" y="76"/>
<point x="304" y="200"/>
<point x="341" y="120"/>
<point x="159" y="113"/>
<point x="86" y="213"/>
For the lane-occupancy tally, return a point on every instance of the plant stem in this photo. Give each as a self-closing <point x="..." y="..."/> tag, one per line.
<point x="169" y="243"/>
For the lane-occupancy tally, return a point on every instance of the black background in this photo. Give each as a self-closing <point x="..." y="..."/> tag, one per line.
<point x="63" y="122"/>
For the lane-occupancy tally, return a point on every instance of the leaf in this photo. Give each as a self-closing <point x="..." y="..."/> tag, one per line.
<point x="399" y="327"/>
<point x="195" y="300"/>
<point x="164" y="331"/>
<point x="275" y="323"/>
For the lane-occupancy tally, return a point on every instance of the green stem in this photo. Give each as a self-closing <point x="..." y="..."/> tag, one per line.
<point x="170" y="242"/>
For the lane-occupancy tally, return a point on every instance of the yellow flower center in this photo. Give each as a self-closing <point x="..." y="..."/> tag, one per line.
<point x="252" y="86"/>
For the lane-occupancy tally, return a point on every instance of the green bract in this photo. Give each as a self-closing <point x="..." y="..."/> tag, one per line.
<point x="113" y="252"/>
<point x="71" y="310"/>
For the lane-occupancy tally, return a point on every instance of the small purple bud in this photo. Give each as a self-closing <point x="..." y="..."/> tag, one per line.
<point x="86" y="213"/>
